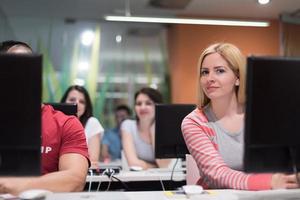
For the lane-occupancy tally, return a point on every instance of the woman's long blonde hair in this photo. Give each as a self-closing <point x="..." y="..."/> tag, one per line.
<point x="236" y="62"/>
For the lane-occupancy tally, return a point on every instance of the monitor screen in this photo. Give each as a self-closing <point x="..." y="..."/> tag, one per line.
<point x="66" y="108"/>
<point x="272" y="139"/>
<point x="169" y="142"/>
<point x="20" y="119"/>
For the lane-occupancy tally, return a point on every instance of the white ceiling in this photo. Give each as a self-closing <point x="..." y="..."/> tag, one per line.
<point x="95" y="9"/>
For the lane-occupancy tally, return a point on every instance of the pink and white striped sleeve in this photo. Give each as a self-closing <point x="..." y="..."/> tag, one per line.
<point x="213" y="170"/>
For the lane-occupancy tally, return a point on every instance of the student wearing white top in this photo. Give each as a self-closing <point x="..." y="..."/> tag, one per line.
<point x="93" y="129"/>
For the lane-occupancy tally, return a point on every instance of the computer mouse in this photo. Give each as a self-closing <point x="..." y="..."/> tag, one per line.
<point x="135" y="168"/>
<point x="192" y="189"/>
<point x="34" y="194"/>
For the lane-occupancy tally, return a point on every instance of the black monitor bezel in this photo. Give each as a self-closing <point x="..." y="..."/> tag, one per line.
<point x="263" y="153"/>
<point x="178" y="149"/>
<point x="24" y="157"/>
<point x="66" y="108"/>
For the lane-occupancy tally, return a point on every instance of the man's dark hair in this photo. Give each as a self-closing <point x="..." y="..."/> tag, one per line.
<point x="6" y="45"/>
<point x="123" y="107"/>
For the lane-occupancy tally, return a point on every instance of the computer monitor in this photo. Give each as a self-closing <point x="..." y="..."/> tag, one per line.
<point x="66" y="108"/>
<point x="169" y="142"/>
<point x="272" y="138"/>
<point x="20" y="119"/>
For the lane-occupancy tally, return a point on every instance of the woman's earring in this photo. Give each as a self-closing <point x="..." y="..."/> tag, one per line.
<point x="237" y="82"/>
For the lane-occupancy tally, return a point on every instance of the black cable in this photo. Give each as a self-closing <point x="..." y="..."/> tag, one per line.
<point x="293" y="154"/>
<point x="124" y="184"/>
<point x="110" y="173"/>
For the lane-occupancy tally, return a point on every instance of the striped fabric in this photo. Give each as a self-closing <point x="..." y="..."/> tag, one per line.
<point x="215" y="174"/>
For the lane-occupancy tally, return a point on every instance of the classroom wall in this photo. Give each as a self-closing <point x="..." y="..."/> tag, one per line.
<point x="186" y="42"/>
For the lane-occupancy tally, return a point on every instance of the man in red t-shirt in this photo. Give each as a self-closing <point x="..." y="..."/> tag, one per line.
<point x="64" y="150"/>
<point x="68" y="138"/>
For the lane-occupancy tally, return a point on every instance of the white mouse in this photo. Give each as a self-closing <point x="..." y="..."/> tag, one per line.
<point x="192" y="189"/>
<point x="136" y="168"/>
<point x="34" y="194"/>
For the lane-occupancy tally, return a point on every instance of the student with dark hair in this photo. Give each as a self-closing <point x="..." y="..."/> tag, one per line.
<point x="111" y="146"/>
<point x="138" y="135"/>
<point x="65" y="164"/>
<point x="92" y="127"/>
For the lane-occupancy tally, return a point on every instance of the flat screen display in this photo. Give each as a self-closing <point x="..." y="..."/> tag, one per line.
<point x="169" y="142"/>
<point x="20" y="119"/>
<point x="272" y="139"/>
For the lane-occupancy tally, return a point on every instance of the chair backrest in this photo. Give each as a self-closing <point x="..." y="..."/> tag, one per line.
<point x="192" y="171"/>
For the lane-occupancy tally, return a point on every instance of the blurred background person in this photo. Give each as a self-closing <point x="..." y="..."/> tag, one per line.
<point x="138" y="135"/>
<point x="111" y="144"/>
<point x="92" y="127"/>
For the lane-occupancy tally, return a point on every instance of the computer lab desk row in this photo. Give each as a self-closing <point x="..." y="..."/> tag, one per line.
<point x="148" y="180"/>
<point x="171" y="195"/>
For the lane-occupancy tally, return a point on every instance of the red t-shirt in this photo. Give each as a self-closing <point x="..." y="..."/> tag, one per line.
<point x="61" y="134"/>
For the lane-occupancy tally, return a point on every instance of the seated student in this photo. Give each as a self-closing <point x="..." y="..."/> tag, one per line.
<point x="138" y="135"/>
<point x="111" y="143"/>
<point x="214" y="131"/>
<point x="64" y="167"/>
<point x="92" y="127"/>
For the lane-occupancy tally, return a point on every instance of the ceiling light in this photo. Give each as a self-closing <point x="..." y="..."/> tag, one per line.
<point x="83" y="66"/>
<point x="263" y="1"/>
<point x="118" y="38"/>
<point x="187" y="21"/>
<point x="87" y="37"/>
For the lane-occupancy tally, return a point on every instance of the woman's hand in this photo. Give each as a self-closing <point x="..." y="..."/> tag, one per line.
<point x="284" y="181"/>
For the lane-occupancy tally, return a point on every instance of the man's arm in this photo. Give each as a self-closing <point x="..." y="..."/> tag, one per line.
<point x="70" y="177"/>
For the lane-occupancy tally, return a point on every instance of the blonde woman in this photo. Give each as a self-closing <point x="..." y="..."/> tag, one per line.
<point x="214" y="131"/>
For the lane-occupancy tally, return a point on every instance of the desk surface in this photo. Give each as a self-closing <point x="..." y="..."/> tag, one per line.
<point x="147" y="175"/>
<point x="149" y="180"/>
<point x="160" y="195"/>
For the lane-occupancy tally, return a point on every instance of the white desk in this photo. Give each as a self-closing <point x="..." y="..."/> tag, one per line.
<point x="151" y="179"/>
<point x="159" y="195"/>
<point x="147" y="175"/>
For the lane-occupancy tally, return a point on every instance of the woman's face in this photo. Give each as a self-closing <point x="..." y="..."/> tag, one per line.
<point x="144" y="107"/>
<point x="217" y="78"/>
<point x="77" y="97"/>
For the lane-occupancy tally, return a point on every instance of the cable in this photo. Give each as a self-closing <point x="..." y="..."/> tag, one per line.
<point x="293" y="154"/>
<point x="173" y="169"/>
<point x="99" y="183"/>
<point x="90" y="182"/>
<point x="109" y="173"/>
<point x="162" y="184"/>
<point x="125" y="186"/>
